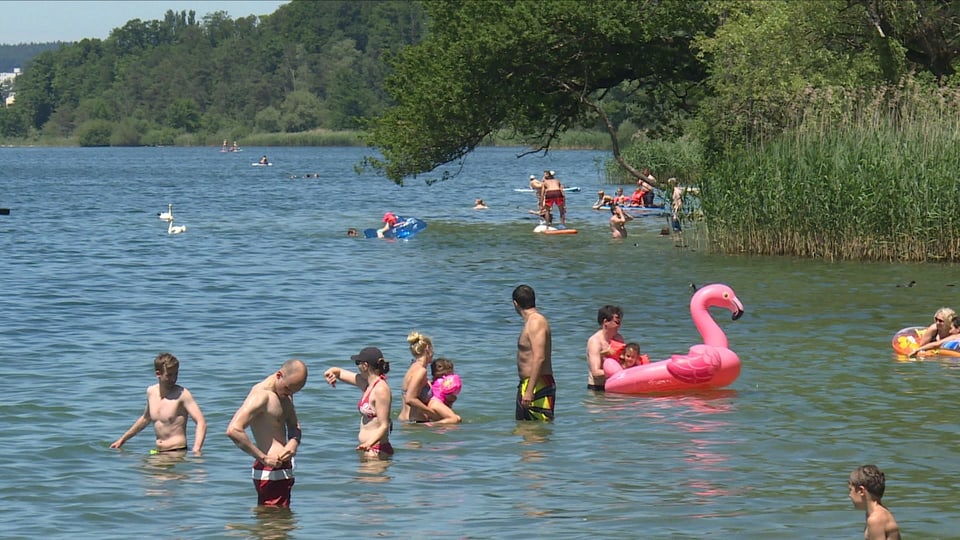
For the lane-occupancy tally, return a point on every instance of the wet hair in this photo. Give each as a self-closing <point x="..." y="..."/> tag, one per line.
<point x="607" y="313"/>
<point x="632" y="346"/>
<point x="441" y="367"/>
<point x="871" y="478"/>
<point x="418" y="343"/>
<point x="164" y="362"/>
<point x="524" y="296"/>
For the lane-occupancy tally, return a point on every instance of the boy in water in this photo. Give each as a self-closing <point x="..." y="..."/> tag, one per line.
<point x="867" y="484"/>
<point x="168" y="405"/>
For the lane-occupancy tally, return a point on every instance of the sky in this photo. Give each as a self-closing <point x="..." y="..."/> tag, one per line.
<point x="41" y="21"/>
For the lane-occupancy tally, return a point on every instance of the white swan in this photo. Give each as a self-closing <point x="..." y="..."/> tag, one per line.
<point x="176" y="229"/>
<point x="168" y="215"/>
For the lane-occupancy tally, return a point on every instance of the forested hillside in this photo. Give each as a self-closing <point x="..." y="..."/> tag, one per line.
<point x="308" y="65"/>
<point x="17" y="56"/>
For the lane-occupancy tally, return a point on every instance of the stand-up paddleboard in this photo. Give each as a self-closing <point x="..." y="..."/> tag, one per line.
<point x="640" y="211"/>
<point x="262" y="164"/>
<point x="572" y="189"/>
<point x="547" y="229"/>
<point x="405" y="228"/>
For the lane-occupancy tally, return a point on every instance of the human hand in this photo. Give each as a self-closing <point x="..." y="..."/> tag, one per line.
<point x="331" y="375"/>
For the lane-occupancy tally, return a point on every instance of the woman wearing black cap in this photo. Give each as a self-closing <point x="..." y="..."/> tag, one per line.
<point x="375" y="400"/>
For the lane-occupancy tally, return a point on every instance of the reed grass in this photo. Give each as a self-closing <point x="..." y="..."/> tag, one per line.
<point x="318" y="137"/>
<point x="860" y="175"/>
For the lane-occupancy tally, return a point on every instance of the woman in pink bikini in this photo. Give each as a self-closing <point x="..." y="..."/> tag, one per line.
<point x="375" y="400"/>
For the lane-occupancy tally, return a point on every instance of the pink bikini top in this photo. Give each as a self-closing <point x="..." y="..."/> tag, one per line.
<point x="365" y="407"/>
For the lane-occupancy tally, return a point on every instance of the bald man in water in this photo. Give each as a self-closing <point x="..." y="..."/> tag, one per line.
<point x="269" y="412"/>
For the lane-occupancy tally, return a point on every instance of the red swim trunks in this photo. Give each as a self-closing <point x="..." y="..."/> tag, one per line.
<point x="273" y="484"/>
<point x="554" y="196"/>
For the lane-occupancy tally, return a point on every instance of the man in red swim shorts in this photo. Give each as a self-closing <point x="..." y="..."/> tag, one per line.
<point x="553" y="195"/>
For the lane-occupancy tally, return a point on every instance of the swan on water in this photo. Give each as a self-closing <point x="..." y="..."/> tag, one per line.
<point x="176" y="229"/>
<point x="168" y="215"/>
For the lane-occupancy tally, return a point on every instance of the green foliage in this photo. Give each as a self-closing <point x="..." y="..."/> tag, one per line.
<point x="12" y="124"/>
<point x="94" y="133"/>
<point x="183" y="114"/>
<point x="851" y="180"/>
<point x="314" y="62"/>
<point x="681" y="158"/>
<point x="159" y="137"/>
<point x="18" y="56"/>
<point x="536" y="68"/>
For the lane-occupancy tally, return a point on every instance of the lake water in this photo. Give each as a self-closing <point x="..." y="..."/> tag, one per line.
<point x="94" y="287"/>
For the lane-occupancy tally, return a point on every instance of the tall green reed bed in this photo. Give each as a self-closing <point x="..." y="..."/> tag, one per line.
<point x="875" y="178"/>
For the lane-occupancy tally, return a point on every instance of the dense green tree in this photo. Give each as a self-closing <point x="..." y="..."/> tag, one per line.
<point x="535" y="68"/>
<point x="227" y="70"/>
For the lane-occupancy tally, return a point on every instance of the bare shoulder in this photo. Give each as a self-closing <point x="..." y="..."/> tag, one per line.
<point x="881" y="524"/>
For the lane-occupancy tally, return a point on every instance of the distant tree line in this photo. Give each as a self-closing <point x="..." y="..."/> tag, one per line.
<point x="17" y="56"/>
<point x="309" y="65"/>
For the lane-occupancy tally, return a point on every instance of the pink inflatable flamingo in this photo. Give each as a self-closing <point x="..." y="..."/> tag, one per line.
<point x="708" y="365"/>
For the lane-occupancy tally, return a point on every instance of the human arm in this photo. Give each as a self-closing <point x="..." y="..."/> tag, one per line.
<point x="595" y="357"/>
<point x="294" y="436"/>
<point x="334" y="374"/>
<point x="253" y="406"/>
<point x="193" y="409"/>
<point x="411" y="396"/>
<point x="934" y="344"/>
<point x="442" y="412"/>
<point x="137" y="426"/>
<point x="927" y="335"/>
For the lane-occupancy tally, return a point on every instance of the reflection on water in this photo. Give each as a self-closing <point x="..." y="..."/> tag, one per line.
<point x="271" y="523"/>
<point x="373" y="470"/>
<point x="164" y="471"/>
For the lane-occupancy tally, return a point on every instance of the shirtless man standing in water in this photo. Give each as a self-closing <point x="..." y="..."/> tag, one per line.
<point x="553" y="195"/>
<point x="605" y="342"/>
<point x="268" y="411"/>
<point x="537" y="391"/>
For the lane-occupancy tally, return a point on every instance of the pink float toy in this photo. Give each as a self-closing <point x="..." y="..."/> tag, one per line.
<point x="446" y="387"/>
<point x="708" y="365"/>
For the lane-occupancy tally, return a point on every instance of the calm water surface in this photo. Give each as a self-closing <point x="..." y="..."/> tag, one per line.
<point x="93" y="288"/>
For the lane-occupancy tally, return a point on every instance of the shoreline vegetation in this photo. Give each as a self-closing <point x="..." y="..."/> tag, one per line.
<point x="851" y="175"/>
<point x="572" y="140"/>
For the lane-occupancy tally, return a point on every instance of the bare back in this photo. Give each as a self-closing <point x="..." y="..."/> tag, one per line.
<point x="534" y="346"/>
